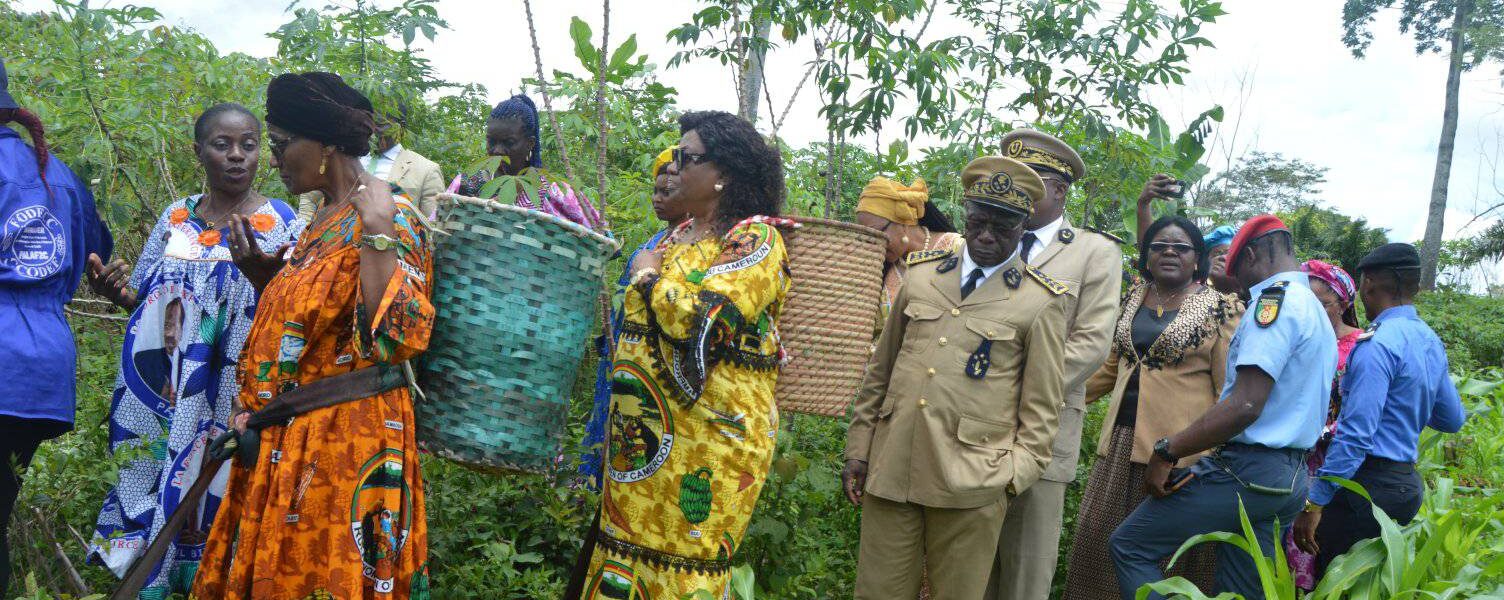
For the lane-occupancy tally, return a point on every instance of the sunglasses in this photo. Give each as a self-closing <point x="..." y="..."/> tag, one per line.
<point x="279" y="146"/>
<point x="680" y="155"/>
<point x="1163" y="247"/>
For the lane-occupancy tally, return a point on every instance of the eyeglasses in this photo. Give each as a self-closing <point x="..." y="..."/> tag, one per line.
<point x="1179" y="248"/>
<point x="679" y="156"/>
<point x="279" y="146"/>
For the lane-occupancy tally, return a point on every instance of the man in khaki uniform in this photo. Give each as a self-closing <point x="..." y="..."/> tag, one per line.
<point x="1089" y="262"/>
<point x="958" y="408"/>
<point x="419" y="177"/>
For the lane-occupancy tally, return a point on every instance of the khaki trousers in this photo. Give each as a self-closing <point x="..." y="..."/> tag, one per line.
<point x="1029" y="545"/>
<point x="899" y="539"/>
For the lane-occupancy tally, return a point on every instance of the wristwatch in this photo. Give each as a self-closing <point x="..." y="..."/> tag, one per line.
<point x="1312" y="507"/>
<point x="379" y="242"/>
<point x="1162" y="450"/>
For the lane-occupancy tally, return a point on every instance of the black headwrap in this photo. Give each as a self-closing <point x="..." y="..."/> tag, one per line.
<point x="322" y="107"/>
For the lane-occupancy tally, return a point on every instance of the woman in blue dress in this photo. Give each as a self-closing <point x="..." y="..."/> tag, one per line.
<point x="191" y="310"/>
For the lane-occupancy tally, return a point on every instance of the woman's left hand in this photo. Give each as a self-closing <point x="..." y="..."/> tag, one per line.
<point x="648" y="259"/>
<point x="257" y="266"/>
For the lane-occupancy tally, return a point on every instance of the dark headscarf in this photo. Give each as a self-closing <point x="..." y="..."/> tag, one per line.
<point x="322" y="107"/>
<point x="521" y="107"/>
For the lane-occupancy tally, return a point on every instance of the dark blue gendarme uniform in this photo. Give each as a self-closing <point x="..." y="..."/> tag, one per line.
<point x="1396" y="384"/>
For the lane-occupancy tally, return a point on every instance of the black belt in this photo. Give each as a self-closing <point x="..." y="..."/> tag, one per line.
<point x="1300" y="452"/>
<point x="1380" y="463"/>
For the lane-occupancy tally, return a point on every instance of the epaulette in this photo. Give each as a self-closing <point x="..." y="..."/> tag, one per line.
<point x="1368" y="333"/>
<point x="922" y="256"/>
<point x="1109" y="236"/>
<point x="1048" y="282"/>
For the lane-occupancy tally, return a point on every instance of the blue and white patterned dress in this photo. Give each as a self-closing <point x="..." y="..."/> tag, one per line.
<point x="177" y="384"/>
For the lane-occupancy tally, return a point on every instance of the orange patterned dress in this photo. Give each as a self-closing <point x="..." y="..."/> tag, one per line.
<point x="334" y="505"/>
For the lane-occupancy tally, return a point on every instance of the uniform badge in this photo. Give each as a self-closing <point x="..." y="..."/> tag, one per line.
<point x="1066" y="235"/>
<point x="1267" y="309"/>
<point x="1012" y="277"/>
<point x="948" y="265"/>
<point x="976" y="365"/>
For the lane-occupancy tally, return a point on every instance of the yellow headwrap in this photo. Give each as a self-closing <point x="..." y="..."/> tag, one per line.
<point x="663" y="158"/>
<point x="894" y="201"/>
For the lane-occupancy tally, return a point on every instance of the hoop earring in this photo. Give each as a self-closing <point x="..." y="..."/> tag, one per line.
<point x="719" y="186"/>
<point x="323" y="165"/>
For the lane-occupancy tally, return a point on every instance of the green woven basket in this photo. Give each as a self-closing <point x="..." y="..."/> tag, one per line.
<point x="514" y="291"/>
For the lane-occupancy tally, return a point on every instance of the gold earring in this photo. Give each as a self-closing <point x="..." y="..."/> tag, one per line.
<point x="323" y="165"/>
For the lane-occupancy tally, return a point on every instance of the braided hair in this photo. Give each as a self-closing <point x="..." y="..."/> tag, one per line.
<point x="521" y="107"/>
<point x="33" y="125"/>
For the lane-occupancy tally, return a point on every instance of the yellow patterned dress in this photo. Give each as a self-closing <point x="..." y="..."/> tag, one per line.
<point x="693" y="421"/>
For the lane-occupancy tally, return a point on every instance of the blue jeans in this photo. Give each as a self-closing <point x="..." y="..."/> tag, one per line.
<point x="1273" y="489"/>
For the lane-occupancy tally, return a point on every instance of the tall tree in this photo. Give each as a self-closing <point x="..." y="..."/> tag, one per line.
<point x="1471" y="29"/>
<point x="1260" y="183"/>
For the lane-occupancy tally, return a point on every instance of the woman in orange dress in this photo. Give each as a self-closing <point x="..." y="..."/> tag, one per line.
<point x="333" y="507"/>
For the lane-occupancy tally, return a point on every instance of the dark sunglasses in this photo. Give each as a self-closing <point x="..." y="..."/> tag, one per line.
<point x="679" y="156"/>
<point x="1179" y="248"/>
<point x="280" y="146"/>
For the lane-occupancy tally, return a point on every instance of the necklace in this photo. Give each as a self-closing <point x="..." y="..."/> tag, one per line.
<point x="210" y="222"/>
<point x="1159" y="310"/>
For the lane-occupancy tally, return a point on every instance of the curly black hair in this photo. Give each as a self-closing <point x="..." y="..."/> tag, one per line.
<point x="1203" y="260"/>
<point x="753" y="168"/>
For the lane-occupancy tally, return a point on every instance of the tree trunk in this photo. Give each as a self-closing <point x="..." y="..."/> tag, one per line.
<point x="752" y="74"/>
<point x="1431" y="246"/>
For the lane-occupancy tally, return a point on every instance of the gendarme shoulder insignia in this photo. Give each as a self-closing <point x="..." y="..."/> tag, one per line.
<point x="1012" y="278"/>
<point x="1368" y="333"/>
<point x="1066" y="235"/>
<point x="915" y="258"/>
<point x="1105" y="234"/>
<point x="1056" y="288"/>
<point x="1267" y="309"/>
<point x="948" y="265"/>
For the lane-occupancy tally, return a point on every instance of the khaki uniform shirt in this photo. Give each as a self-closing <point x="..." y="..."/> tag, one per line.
<point x="931" y="433"/>
<point x="1090" y="264"/>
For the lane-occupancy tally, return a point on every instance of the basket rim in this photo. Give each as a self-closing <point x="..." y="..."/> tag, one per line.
<point x="570" y="226"/>
<point x="838" y="224"/>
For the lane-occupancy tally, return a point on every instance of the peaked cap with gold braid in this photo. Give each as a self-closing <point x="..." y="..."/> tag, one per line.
<point x="1003" y="183"/>
<point x="1044" y="151"/>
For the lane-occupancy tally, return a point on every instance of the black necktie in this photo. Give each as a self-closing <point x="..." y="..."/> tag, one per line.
<point x="971" y="282"/>
<point x="1028" y="244"/>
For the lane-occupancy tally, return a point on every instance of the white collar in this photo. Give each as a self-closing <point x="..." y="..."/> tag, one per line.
<point x="1046" y="234"/>
<point x="967" y="265"/>
<point x="392" y="153"/>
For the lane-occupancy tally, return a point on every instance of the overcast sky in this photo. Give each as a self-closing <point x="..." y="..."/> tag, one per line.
<point x="1373" y="122"/>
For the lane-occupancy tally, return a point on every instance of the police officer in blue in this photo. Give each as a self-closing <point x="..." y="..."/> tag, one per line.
<point x="1279" y="371"/>
<point x="1396" y="383"/>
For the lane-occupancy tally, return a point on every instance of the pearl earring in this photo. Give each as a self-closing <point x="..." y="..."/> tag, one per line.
<point x="904" y="239"/>
<point x="719" y="186"/>
<point x="323" y="165"/>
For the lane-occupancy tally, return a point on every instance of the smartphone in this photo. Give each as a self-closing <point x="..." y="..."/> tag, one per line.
<point x="1178" y="479"/>
<point x="1177" y="188"/>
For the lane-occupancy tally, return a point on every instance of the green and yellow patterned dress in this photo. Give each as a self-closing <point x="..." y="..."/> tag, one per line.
<point x="693" y="421"/>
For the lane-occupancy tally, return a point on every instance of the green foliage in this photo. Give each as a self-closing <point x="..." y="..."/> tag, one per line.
<point x="1331" y="236"/>
<point x="1472" y="326"/>
<point x="1262" y="182"/>
<point x="1431" y="22"/>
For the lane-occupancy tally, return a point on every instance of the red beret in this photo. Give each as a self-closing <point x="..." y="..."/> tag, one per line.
<point x="1251" y="230"/>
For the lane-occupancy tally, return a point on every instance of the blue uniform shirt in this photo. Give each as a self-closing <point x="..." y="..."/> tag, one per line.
<point x="1396" y="383"/>
<point x="45" y="239"/>
<point x="1299" y="351"/>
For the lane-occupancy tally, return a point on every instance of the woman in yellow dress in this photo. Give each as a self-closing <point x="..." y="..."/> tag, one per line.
<point x="693" y="423"/>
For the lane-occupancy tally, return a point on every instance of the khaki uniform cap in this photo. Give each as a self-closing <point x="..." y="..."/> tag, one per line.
<point x="1044" y="151"/>
<point x="1002" y="183"/>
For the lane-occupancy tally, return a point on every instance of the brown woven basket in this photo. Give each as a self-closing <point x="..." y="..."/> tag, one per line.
<point x="830" y="316"/>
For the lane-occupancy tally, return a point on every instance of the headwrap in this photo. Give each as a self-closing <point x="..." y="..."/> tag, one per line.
<point x="662" y="161"/>
<point x="894" y="201"/>
<point x="521" y="107"/>
<point x="322" y="107"/>
<point x="1221" y="236"/>
<point x="1255" y="228"/>
<point x="1341" y="284"/>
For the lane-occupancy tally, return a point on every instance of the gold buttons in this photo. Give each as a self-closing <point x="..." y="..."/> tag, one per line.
<point x="923" y="403"/>
<point x="955" y="312"/>
<point x="930" y="371"/>
<point x="991" y="334"/>
<point x="944" y="341"/>
<point x="985" y="439"/>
